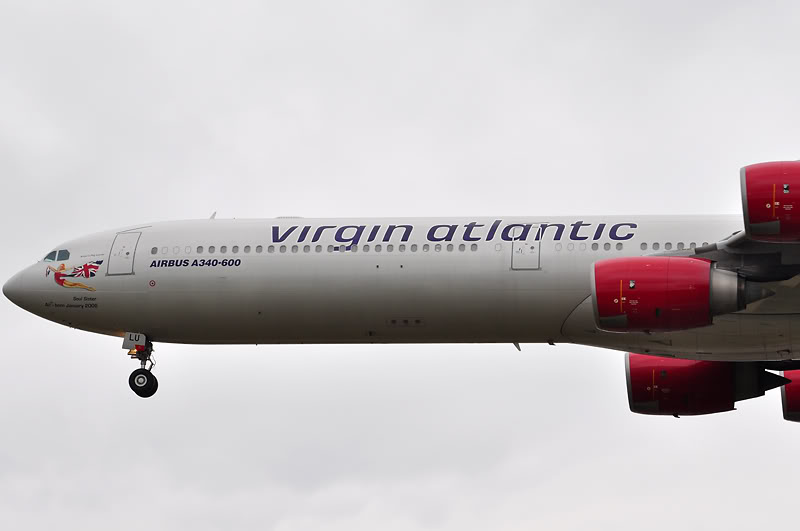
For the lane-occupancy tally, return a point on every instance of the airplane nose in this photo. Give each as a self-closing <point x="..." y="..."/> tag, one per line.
<point x="13" y="289"/>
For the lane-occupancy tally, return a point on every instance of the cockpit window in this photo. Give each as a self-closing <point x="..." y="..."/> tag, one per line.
<point x="63" y="254"/>
<point x="50" y="256"/>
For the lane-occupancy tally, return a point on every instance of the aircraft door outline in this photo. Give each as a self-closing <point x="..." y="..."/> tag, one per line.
<point x="526" y="253"/>
<point x="123" y="254"/>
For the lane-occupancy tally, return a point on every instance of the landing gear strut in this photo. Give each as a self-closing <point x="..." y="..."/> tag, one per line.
<point x="142" y="381"/>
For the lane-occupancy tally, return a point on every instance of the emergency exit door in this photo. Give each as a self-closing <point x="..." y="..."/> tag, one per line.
<point x="525" y="248"/>
<point x="123" y="252"/>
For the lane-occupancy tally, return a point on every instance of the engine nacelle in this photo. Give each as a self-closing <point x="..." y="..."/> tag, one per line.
<point x="663" y="293"/>
<point x="770" y="194"/>
<point x="790" y="396"/>
<point x="668" y="386"/>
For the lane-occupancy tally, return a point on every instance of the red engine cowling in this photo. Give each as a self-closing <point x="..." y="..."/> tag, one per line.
<point x="790" y="396"/>
<point x="668" y="386"/>
<point x="662" y="293"/>
<point x="770" y="193"/>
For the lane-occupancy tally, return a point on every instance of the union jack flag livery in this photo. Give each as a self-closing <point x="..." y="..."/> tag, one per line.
<point x="87" y="270"/>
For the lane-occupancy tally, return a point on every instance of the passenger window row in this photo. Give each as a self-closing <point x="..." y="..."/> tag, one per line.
<point x="438" y="247"/>
<point x="668" y="246"/>
<point x="319" y="248"/>
<point x="595" y="246"/>
<point x="211" y="249"/>
<point x="656" y="246"/>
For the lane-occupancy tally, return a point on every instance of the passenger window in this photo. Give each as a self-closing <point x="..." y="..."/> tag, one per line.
<point x="223" y="249"/>
<point x="211" y="249"/>
<point x="246" y="249"/>
<point x="235" y="249"/>
<point x="607" y="246"/>
<point x="680" y="246"/>
<point x="668" y="246"/>
<point x="643" y="247"/>
<point x="259" y="249"/>
<point x="656" y="246"/>
<point x="474" y="246"/>
<point x="154" y="250"/>
<point x="449" y="246"/>
<point x="199" y="249"/>
<point x="619" y="247"/>
<point x="50" y="256"/>
<point x="595" y="247"/>
<point x="413" y="247"/>
<point x="462" y="247"/>
<point x="63" y="254"/>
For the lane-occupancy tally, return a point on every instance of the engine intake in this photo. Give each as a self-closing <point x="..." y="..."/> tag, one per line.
<point x="770" y="195"/>
<point x="664" y="293"/>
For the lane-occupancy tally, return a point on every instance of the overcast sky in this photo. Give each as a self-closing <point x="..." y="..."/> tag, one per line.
<point x="117" y="113"/>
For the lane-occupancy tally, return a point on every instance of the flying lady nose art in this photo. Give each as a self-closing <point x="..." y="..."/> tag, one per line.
<point x="63" y="279"/>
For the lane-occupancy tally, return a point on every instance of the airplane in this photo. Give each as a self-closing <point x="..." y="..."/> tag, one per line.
<point x="706" y="310"/>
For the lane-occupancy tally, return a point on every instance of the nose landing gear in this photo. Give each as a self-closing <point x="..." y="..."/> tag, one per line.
<point x="142" y="381"/>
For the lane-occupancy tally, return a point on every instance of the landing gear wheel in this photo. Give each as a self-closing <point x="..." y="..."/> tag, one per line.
<point x="143" y="383"/>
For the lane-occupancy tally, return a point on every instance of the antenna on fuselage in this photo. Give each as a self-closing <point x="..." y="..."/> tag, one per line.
<point x="214" y="215"/>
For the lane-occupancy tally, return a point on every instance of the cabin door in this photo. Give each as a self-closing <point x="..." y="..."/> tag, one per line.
<point x="123" y="253"/>
<point x="525" y="248"/>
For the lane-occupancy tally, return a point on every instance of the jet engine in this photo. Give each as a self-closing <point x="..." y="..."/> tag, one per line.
<point x="668" y="386"/>
<point x="790" y="396"/>
<point x="663" y="293"/>
<point x="770" y="193"/>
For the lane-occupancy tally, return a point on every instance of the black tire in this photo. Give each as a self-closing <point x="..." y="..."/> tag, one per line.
<point x="143" y="383"/>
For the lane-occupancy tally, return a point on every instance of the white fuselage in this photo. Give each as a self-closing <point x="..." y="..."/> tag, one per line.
<point x="295" y="280"/>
